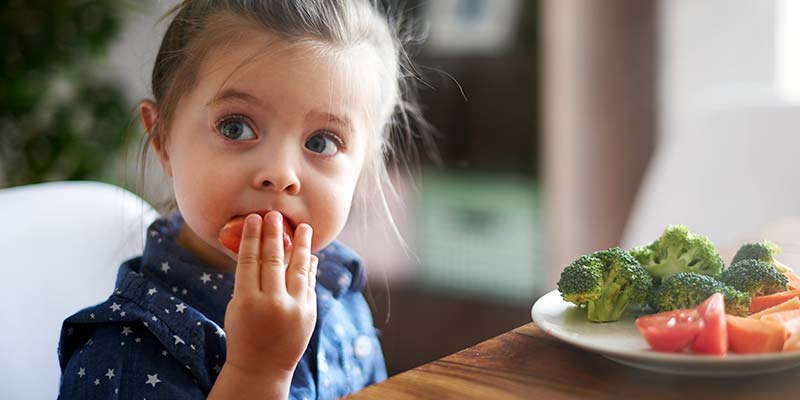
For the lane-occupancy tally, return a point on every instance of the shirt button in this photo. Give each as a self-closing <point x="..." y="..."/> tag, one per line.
<point x="363" y="346"/>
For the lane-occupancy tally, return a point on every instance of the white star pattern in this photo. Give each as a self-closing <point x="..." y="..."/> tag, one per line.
<point x="344" y="349"/>
<point x="152" y="380"/>
<point x="339" y="329"/>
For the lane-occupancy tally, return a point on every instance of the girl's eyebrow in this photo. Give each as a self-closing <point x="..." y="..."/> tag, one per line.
<point x="341" y="120"/>
<point x="231" y="93"/>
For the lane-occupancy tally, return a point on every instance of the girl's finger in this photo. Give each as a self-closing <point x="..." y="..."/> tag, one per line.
<point x="312" y="278"/>
<point x="300" y="263"/>
<point x="272" y="268"/>
<point x="247" y="269"/>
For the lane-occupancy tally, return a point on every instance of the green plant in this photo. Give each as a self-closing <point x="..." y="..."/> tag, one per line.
<point x="58" y="118"/>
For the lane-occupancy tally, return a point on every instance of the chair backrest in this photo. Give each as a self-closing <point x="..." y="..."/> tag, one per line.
<point x="60" y="247"/>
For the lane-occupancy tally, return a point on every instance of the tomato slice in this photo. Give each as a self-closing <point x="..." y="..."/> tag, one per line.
<point x="713" y="337"/>
<point x="670" y="331"/>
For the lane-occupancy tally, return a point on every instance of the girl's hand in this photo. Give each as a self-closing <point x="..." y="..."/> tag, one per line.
<point x="270" y="319"/>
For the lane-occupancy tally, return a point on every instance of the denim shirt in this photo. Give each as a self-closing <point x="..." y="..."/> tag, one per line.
<point x="161" y="333"/>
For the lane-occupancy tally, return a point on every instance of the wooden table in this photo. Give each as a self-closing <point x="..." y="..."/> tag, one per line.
<point x="527" y="363"/>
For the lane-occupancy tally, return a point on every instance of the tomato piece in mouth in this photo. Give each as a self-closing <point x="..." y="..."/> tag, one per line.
<point x="231" y="234"/>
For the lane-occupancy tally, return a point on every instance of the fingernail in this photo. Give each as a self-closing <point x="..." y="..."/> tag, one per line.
<point x="276" y="217"/>
<point x="253" y="219"/>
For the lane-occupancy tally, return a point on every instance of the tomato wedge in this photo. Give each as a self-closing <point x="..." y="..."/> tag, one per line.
<point x="231" y="234"/>
<point x="671" y="330"/>
<point x="713" y="336"/>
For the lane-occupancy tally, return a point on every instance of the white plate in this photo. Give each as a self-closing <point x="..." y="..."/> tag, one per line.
<point x="621" y="342"/>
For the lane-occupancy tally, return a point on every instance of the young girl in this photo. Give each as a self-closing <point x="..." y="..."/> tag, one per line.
<point x="278" y="111"/>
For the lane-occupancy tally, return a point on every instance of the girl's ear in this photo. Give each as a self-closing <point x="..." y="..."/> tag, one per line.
<point x="148" y="112"/>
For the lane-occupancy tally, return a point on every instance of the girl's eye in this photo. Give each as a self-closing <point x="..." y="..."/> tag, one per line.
<point x="235" y="128"/>
<point x="323" y="143"/>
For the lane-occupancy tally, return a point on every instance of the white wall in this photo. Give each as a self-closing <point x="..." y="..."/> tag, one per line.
<point x="727" y="137"/>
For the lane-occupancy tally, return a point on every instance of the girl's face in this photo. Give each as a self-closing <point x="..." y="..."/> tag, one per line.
<point x="285" y="132"/>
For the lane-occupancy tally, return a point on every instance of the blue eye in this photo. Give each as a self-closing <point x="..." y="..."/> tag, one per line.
<point x="323" y="143"/>
<point x="235" y="127"/>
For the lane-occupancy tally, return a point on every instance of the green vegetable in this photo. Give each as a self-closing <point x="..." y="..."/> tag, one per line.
<point x="605" y="283"/>
<point x="678" y="250"/>
<point x="755" y="277"/>
<point x="763" y="251"/>
<point x="689" y="289"/>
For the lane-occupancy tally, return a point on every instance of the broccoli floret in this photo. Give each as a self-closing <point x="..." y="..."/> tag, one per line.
<point x="642" y="254"/>
<point x="763" y="251"/>
<point x="736" y="302"/>
<point x="689" y="289"/>
<point x="678" y="250"/>
<point x="605" y="282"/>
<point x="582" y="281"/>
<point x="755" y="277"/>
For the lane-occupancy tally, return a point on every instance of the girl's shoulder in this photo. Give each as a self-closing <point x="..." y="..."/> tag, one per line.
<point x="165" y="326"/>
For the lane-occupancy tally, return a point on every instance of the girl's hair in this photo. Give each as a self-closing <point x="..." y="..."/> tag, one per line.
<point x="330" y="26"/>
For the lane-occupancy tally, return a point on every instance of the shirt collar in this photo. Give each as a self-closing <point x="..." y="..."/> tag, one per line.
<point x="184" y="275"/>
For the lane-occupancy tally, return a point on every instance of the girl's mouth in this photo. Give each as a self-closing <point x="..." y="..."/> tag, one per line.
<point x="230" y="235"/>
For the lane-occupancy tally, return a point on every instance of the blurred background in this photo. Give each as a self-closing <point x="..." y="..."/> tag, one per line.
<point x="566" y="126"/>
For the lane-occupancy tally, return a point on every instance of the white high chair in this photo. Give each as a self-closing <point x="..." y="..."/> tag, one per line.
<point x="61" y="245"/>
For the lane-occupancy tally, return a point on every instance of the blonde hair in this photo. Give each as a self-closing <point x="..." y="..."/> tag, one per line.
<point x="199" y="25"/>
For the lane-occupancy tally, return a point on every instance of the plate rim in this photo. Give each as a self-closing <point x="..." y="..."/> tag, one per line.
<point x="730" y="359"/>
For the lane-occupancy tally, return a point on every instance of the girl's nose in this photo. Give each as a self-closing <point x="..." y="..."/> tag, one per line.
<point x="279" y="178"/>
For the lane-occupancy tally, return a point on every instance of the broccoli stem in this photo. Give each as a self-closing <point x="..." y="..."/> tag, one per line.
<point x="610" y="305"/>
<point x="781" y="267"/>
